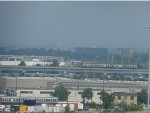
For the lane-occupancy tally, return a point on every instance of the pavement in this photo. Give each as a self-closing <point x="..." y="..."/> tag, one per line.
<point x="144" y="111"/>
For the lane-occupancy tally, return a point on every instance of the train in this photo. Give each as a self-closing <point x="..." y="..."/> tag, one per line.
<point x="114" y="66"/>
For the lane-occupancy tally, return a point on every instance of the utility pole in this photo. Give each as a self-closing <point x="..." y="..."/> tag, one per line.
<point x="148" y="84"/>
<point x="16" y="82"/>
<point x="44" y="57"/>
<point x="78" y="84"/>
<point x="148" y="79"/>
<point x="103" y="81"/>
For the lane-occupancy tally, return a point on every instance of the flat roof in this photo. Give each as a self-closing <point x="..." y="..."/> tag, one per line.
<point x="19" y="88"/>
<point x="123" y="94"/>
<point x="26" y="97"/>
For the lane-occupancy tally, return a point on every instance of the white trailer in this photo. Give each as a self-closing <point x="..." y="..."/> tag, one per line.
<point x="35" y="109"/>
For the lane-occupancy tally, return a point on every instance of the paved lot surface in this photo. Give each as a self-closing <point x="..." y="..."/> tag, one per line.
<point x="145" y="111"/>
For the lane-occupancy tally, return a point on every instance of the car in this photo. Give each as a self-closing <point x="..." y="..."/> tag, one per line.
<point x="86" y="108"/>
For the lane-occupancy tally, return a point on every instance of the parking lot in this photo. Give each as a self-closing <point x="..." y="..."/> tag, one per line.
<point x="144" y="111"/>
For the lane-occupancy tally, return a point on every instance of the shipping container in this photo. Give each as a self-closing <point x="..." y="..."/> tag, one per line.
<point x="23" y="108"/>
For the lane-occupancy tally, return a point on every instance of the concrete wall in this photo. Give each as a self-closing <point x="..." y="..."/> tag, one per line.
<point x="23" y="82"/>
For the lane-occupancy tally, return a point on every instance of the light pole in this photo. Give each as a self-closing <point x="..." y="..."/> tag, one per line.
<point x="148" y="26"/>
<point x="16" y="82"/>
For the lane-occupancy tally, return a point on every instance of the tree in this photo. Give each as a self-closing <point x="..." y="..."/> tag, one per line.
<point x="55" y="63"/>
<point x="67" y="109"/>
<point x="92" y="105"/>
<point x="38" y="65"/>
<point x="122" y="106"/>
<point x="87" y="93"/>
<point x="107" y="99"/>
<point x="22" y="63"/>
<point x="142" y="97"/>
<point x="61" y="92"/>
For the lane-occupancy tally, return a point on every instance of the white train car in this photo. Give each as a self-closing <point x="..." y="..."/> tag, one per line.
<point x="95" y="65"/>
<point x="115" y="66"/>
<point x="130" y="66"/>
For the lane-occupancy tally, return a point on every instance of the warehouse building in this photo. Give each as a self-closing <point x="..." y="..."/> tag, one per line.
<point x="71" y="84"/>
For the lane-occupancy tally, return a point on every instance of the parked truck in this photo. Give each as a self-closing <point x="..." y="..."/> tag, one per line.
<point x="2" y="107"/>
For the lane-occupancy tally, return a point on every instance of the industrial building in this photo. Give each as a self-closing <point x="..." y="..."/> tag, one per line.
<point x="129" y="98"/>
<point x="74" y="95"/>
<point x="28" y="92"/>
<point x="16" y="100"/>
<point x="49" y="83"/>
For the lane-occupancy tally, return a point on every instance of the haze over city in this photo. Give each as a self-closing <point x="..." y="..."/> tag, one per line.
<point x="74" y="57"/>
<point x="72" y="24"/>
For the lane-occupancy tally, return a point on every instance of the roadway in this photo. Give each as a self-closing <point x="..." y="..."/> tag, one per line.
<point x="70" y="70"/>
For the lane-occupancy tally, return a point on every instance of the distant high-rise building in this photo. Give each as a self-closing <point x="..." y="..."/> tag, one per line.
<point x="92" y="52"/>
<point x="126" y="52"/>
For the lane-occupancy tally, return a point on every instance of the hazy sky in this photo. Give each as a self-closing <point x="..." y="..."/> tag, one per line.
<point x="72" y="24"/>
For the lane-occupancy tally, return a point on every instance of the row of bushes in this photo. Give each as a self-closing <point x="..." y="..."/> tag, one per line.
<point x="131" y="107"/>
<point x="119" y="107"/>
